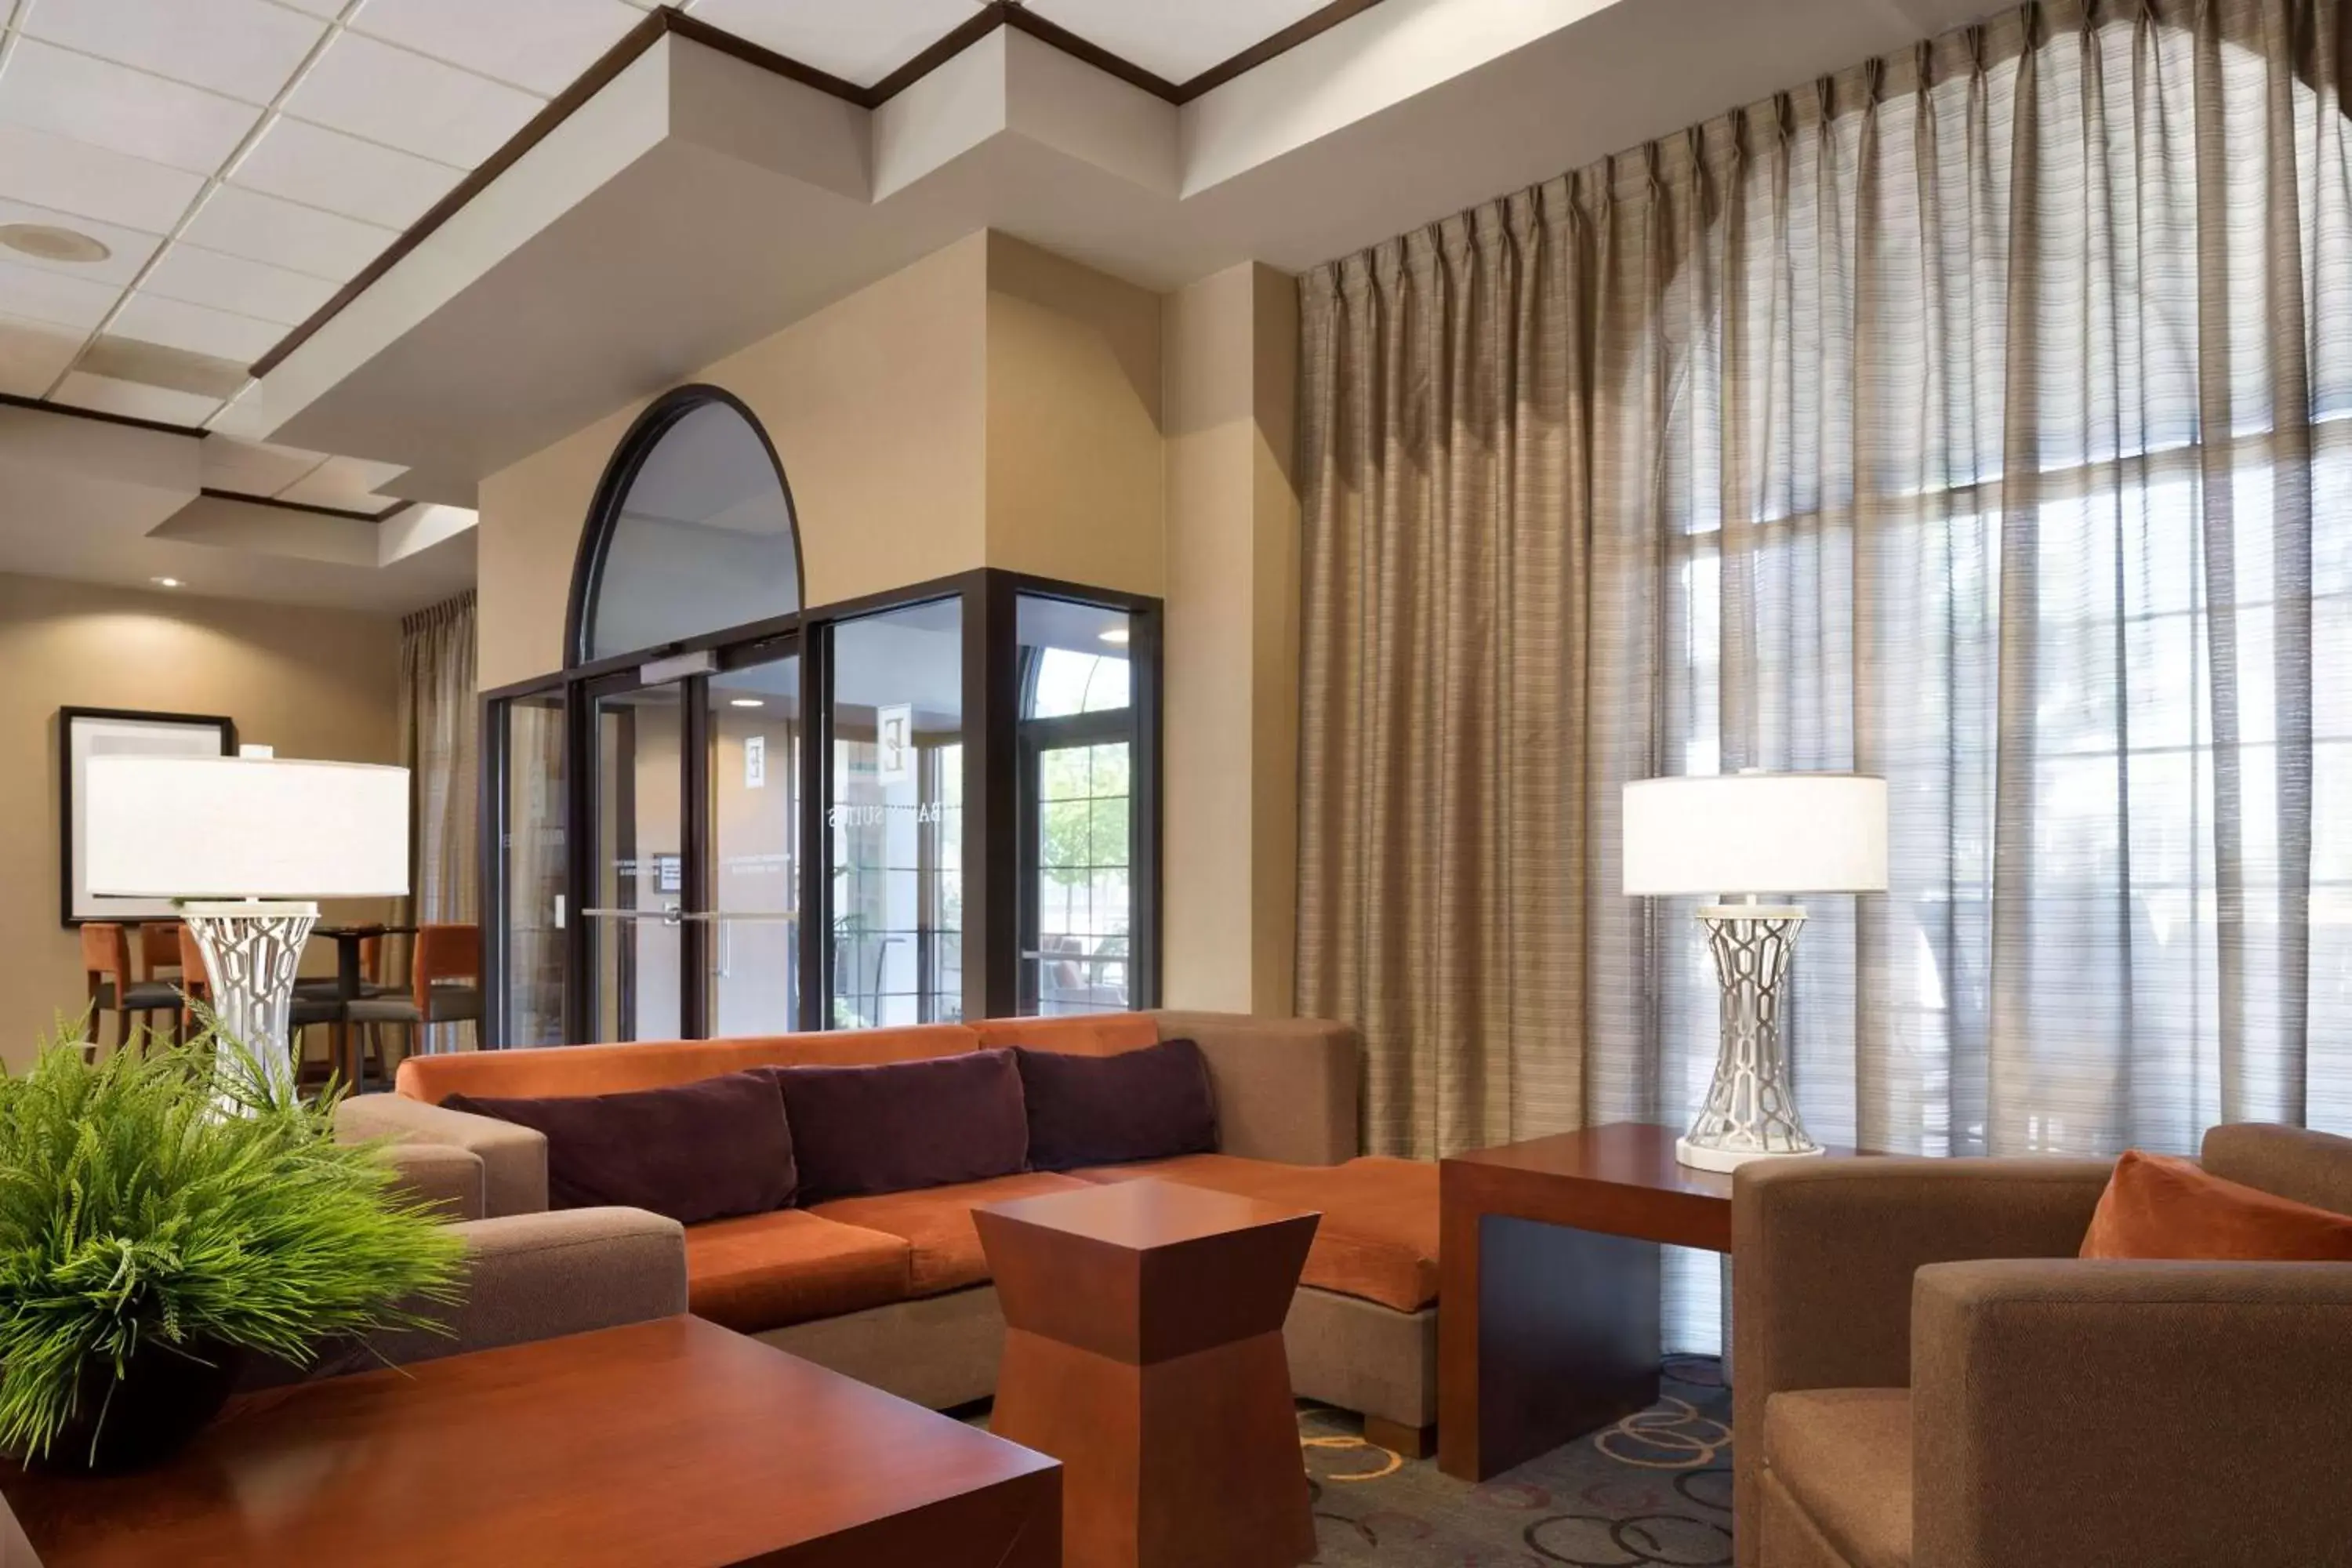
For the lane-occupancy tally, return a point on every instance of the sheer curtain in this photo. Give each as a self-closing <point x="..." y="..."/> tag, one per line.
<point x="438" y="743"/>
<point x="1977" y="418"/>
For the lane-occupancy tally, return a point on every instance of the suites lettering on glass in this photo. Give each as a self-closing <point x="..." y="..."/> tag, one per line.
<point x="874" y="815"/>
<point x="893" y="743"/>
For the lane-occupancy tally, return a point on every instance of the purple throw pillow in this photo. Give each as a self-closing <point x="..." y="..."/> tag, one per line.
<point x="1149" y="1104"/>
<point x="707" y="1150"/>
<point x="898" y="1126"/>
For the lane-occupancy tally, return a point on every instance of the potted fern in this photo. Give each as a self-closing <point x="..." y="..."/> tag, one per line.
<point x="162" y="1220"/>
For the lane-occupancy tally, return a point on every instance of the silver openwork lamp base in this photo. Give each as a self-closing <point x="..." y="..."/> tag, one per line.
<point x="251" y="950"/>
<point x="1751" y="1109"/>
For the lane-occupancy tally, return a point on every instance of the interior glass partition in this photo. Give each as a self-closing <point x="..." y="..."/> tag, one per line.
<point x="732" y="815"/>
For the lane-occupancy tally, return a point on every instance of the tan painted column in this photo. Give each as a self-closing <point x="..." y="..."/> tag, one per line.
<point x="1231" y="757"/>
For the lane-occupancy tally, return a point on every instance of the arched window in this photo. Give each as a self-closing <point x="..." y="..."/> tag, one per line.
<point x="691" y="531"/>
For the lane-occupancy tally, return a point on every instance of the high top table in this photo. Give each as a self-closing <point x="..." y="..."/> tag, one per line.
<point x="1143" y="1349"/>
<point x="1547" y="1297"/>
<point x="672" y="1444"/>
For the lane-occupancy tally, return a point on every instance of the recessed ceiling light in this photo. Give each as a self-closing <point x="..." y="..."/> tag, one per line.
<point x="167" y="582"/>
<point x="1117" y="636"/>
<point x="746" y="702"/>
<point x="50" y="243"/>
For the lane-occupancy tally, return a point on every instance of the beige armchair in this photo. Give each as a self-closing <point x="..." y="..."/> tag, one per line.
<point x="1928" y="1377"/>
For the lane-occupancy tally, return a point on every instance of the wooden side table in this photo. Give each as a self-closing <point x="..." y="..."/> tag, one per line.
<point x="1548" y="1298"/>
<point x="1143" y="1349"/>
<point x="672" y="1442"/>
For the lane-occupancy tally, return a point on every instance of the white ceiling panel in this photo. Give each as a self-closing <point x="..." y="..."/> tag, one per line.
<point x="75" y="177"/>
<point x="199" y="329"/>
<point x="126" y="248"/>
<point x="33" y="355"/>
<point x="108" y="105"/>
<point x="263" y="228"/>
<point x="861" y="42"/>
<point x="252" y="468"/>
<point x="1176" y="42"/>
<point x="244" y="49"/>
<point x="347" y="484"/>
<point x="201" y="277"/>
<point x="541" y="45"/>
<point x="109" y="396"/>
<point x="404" y="100"/>
<point x="318" y="7"/>
<point x="324" y="168"/>
<point x="43" y="296"/>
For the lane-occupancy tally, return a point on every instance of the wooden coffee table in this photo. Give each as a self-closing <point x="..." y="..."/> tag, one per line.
<point x="1547" y="1295"/>
<point x="673" y="1442"/>
<point x="1143" y="1349"/>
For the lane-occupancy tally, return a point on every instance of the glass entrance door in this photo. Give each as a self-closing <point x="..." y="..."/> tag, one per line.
<point x="754" y="955"/>
<point x="636" y="923"/>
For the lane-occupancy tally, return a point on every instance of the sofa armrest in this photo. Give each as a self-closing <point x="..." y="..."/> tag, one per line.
<point x="514" y="1159"/>
<point x="1286" y="1088"/>
<point x="442" y="1174"/>
<point x="2153" y="1413"/>
<point x="1824" y="1254"/>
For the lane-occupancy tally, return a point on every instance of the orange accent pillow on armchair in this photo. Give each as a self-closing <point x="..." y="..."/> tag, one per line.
<point x="2161" y="1207"/>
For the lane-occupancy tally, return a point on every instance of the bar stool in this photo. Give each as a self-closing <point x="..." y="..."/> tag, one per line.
<point x="113" y="985"/>
<point x="444" y="985"/>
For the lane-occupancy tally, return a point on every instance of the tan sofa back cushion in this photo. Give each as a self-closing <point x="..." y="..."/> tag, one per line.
<point x="553" y="1071"/>
<point x="1087" y="1035"/>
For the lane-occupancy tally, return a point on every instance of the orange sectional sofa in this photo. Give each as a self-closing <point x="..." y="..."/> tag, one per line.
<point x="893" y="1288"/>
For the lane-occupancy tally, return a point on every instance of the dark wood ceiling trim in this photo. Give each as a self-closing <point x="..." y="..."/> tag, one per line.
<point x="1307" y="27"/>
<point x="668" y="19"/>
<point x="980" y="23"/>
<point x="350" y="514"/>
<point x="1095" y="54"/>
<point x="10" y="400"/>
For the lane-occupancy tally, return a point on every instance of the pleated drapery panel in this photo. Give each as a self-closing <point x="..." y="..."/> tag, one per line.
<point x="1977" y="418"/>
<point x="439" y="728"/>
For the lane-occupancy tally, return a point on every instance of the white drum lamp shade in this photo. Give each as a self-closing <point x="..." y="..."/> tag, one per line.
<point x="245" y="844"/>
<point x="246" y="827"/>
<point x="1756" y="833"/>
<point x="1749" y="834"/>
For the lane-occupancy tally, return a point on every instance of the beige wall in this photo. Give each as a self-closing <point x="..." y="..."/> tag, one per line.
<point x="997" y="405"/>
<point x="312" y="683"/>
<point x="1231" y="768"/>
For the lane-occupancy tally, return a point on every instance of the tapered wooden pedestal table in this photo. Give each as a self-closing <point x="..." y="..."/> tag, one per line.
<point x="1143" y="1349"/>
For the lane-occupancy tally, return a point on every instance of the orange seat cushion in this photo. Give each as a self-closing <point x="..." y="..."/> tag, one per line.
<point x="1085" y="1035"/>
<point x="936" y="1222"/>
<point x="550" y="1070"/>
<point x="1378" y="1237"/>
<point x="765" y="1270"/>
<point x="2160" y="1206"/>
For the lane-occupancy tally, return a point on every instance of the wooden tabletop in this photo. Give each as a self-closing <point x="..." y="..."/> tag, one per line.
<point x="1142" y="1215"/>
<point x="673" y="1442"/>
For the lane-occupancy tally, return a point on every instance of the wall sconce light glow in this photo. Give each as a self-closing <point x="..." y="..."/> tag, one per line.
<point x="1116" y="636"/>
<point x="167" y="582"/>
<point x="746" y="702"/>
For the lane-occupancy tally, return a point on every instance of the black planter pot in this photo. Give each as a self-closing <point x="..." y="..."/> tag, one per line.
<point x="166" y="1395"/>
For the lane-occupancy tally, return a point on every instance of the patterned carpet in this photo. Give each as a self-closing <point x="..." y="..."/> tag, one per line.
<point x="1653" y="1491"/>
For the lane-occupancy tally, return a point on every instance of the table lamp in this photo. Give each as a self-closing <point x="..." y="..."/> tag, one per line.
<point x="245" y="844"/>
<point x="1751" y="833"/>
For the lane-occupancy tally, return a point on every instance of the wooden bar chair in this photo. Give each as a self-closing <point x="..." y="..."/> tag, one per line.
<point x="115" y="987"/>
<point x="444" y="986"/>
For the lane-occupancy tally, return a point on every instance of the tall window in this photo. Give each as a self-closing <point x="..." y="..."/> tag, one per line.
<point x="1077" y="829"/>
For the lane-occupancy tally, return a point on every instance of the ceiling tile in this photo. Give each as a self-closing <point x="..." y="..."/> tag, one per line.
<point x="127" y="250"/>
<point x="108" y="105"/>
<point x="199" y="329"/>
<point x="1176" y="43"/>
<point x="201" y="277"/>
<point x="347" y="484"/>
<point x="252" y="468"/>
<point x="322" y="168"/>
<point x="42" y="295"/>
<point x="407" y="101"/>
<point x="244" y="49"/>
<point x="542" y="45"/>
<point x="75" y="177"/>
<point x="263" y="228"/>
<point x="861" y="43"/>
<point x="128" y="397"/>
<point x="33" y="355"/>
<point x="319" y="7"/>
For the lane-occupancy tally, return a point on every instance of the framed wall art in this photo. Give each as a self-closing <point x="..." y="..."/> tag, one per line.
<point x="86" y="732"/>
